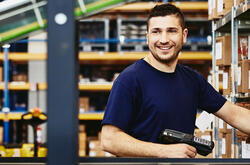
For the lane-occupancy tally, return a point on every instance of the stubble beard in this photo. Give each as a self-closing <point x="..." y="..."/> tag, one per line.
<point x="169" y="60"/>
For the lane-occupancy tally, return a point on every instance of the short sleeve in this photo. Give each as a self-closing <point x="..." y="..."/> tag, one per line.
<point x="209" y="99"/>
<point x="119" y="110"/>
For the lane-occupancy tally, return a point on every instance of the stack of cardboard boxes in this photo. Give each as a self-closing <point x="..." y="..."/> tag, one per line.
<point x="224" y="58"/>
<point x="90" y="145"/>
<point x="219" y="8"/>
<point x="82" y="140"/>
<point x="83" y="104"/>
<point x="244" y="145"/>
<point x="223" y="49"/>
<point x="225" y="139"/>
<point x="223" y="61"/>
<point x="244" y="64"/>
<point x="243" y="139"/>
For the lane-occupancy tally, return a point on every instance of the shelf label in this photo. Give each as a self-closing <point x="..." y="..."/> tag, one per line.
<point x="249" y="79"/>
<point x="244" y="7"/>
<point x="219" y="6"/>
<point x="223" y="21"/>
<point x="225" y="80"/>
<point x="229" y="126"/>
<point x="223" y="150"/>
<point x="239" y="76"/>
<point x="248" y="51"/>
<point x="210" y="7"/>
<point x="245" y="149"/>
<point x="214" y="4"/>
<point x="218" y="51"/>
<point x="221" y="124"/>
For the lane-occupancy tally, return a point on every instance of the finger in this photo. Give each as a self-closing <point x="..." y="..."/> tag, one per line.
<point x="190" y="153"/>
<point x="191" y="148"/>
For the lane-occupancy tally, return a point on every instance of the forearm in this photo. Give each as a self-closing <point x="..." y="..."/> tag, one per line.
<point x="236" y="116"/>
<point x="243" y="120"/>
<point x="121" y="144"/>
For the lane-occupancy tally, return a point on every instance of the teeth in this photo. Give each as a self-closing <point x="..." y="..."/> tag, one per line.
<point x="165" y="48"/>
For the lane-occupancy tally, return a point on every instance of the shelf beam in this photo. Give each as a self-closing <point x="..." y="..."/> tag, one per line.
<point x="81" y="116"/>
<point x="108" y="56"/>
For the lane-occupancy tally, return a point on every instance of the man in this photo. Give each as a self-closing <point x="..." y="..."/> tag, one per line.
<point x="156" y="93"/>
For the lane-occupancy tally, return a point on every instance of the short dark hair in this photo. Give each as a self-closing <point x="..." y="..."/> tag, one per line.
<point x="164" y="10"/>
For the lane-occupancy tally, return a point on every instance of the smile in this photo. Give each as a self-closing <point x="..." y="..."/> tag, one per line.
<point x="164" y="47"/>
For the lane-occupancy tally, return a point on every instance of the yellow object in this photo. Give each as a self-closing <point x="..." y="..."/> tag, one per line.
<point x="2" y="151"/>
<point x="42" y="152"/>
<point x="27" y="117"/>
<point x="27" y="150"/>
<point x="42" y="117"/>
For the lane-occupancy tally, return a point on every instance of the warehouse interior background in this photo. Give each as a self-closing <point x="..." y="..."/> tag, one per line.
<point x="108" y="41"/>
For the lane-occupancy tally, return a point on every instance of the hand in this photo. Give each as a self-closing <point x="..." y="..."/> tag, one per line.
<point x="177" y="151"/>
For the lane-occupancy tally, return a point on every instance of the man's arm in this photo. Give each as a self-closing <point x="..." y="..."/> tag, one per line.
<point x="236" y="116"/>
<point x="117" y="142"/>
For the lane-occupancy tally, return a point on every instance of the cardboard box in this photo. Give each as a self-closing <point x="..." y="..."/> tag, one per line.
<point x="210" y="9"/>
<point x="227" y="80"/>
<point x="82" y="143"/>
<point x="100" y="153"/>
<point x="83" y="104"/>
<point x="224" y="6"/>
<point x="244" y="105"/>
<point x="82" y="153"/>
<point x="223" y="51"/>
<point x="225" y="141"/>
<point x="244" y="141"/>
<point x="20" y="77"/>
<point x="243" y="48"/>
<point x="224" y="126"/>
<point x="244" y="76"/>
<point x="239" y="1"/>
<point x="81" y="128"/>
<point x="95" y="145"/>
<point x="214" y="15"/>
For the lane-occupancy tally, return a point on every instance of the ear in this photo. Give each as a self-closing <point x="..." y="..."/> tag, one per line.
<point x="184" y="35"/>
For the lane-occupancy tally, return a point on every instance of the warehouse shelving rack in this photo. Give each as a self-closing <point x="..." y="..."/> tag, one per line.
<point x="88" y="57"/>
<point x="101" y="31"/>
<point x="133" y="29"/>
<point x="236" y="21"/>
<point x="105" y="56"/>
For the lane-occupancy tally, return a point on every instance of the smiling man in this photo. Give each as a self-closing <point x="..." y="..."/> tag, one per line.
<point x="157" y="93"/>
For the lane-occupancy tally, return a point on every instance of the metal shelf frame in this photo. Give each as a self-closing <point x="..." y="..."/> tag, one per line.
<point x="234" y="22"/>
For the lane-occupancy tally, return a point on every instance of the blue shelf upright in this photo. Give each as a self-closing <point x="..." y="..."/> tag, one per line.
<point x="6" y="106"/>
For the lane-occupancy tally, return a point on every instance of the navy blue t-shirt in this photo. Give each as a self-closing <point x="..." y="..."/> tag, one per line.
<point x="144" y="101"/>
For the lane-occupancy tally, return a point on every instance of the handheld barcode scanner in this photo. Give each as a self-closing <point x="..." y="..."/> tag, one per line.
<point x="203" y="147"/>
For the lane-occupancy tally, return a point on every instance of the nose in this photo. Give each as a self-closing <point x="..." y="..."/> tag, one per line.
<point x="164" y="38"/>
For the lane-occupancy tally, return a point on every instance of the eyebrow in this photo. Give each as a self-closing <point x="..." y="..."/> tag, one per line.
<point x="168" y="28"/>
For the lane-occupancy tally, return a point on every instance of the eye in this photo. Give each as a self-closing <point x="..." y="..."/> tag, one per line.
<point x="172" y="30"/>
<point x="155" y="31"/>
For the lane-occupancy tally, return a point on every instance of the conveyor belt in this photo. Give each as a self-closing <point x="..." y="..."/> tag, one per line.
<point x="20" y="18"/>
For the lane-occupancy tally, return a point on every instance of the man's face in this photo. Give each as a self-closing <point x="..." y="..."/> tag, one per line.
<point x="165" y="37"/>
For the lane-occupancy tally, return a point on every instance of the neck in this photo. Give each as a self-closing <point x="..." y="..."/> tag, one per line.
<point x="168" y="67"/>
